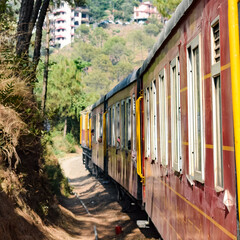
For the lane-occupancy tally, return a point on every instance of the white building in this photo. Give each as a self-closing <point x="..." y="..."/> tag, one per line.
<point x="63" y="22"/>
<point x="144" y="11"/>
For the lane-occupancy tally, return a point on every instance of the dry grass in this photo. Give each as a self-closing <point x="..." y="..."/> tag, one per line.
<point x="11" y="127"/>
<point x="15" y="98"/>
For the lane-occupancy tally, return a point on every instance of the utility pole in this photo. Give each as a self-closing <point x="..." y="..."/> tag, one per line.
<point x="46" y="63"/>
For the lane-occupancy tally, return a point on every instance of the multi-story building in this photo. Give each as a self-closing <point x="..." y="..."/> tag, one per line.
<point x="144" y="11"/>
<point x="63" y="22"/>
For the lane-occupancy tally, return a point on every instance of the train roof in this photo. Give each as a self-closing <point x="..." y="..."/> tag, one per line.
<point x="100" y="101"/>
<point x="132" y="77"/>
<point x="170" y="25"/>
<point x="167" y="30"/>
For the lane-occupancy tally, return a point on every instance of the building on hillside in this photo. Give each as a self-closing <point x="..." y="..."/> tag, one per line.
<point x="144" y="11"/>
<point x="64" y="20"/>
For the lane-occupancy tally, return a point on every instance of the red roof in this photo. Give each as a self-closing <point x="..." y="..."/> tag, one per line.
<point x="60" y="19"/>
<point x="59" y="28"/>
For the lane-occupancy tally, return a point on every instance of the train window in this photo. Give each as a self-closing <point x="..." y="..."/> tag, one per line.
<point x="94" y="128"/>
<point x="215" y="41"/>
<point x="217" y="133"/>
<point x="217" y="111"/>
<point x="123" y="124"/>
<point x="117" y="120"/>
<point x="176" y="115"/>
<point x="147" y="121"/>
<point x="113" y="126"/>
<point x="163" y="119"/>
<point x="109" y="126"/>
<point x="196" y="164"/>
<point x="100" y="125"/>
<point x="128" y="125"/>
<point x="134" y="122"/>
<point x="153" y="121"/>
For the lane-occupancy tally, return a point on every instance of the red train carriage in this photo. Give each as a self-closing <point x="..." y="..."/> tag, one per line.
<point x="188" y="124"/>
<point x="171" y="122"/>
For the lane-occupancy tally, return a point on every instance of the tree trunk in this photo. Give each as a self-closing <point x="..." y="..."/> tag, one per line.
<point x="39" y="26"/>
<point x="45" y="77"/>
<point x="25" y="14"/>
<point x="65" y="128"/>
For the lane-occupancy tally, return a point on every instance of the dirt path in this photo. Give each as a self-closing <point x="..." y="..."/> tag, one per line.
<point x="96" y="208"/>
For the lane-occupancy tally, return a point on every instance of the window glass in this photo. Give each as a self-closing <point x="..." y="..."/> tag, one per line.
<point x="109" y="127"/>
<point x="123" y="124"/>
<point x="134" y="123"/>
<point x="113" y="126"/>
<point x="196" y="164"/>
<point x="217" y="107"/>
<point x="217" y="132"/>
<point x="154" y="122"/>
<point x="94" y="128"/>
<point x="128" y="125"/>
<point x="176" y="115"/>
<point x="163" y="119"/>
<point x="147" y="121"/>
<point x="117" y="120"/>
<point x="100" y="125"/>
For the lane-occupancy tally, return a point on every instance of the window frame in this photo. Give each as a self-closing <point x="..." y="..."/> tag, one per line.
<point x="217" y="110"/>
<point x="134" y="122"/>
<point x="193" y="122"/>
<point x="109" y="126"/>
<point x="176" y="141"/>
<point x="153" y="121"/>
<point x="100" y="127"/>
<point x="147" y="121"/>
<point x="128" y="123"/>
<point x="163" y="117"/>
<point x="123" y="124"/>
<point x="117" y="121"/>
<point x="113" y="125"/>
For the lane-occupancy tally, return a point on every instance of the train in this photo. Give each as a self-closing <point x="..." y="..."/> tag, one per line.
<point x="169" y="133"/>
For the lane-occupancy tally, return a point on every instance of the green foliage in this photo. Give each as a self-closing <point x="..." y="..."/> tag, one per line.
<point x="118" y="9"/>
<point x="65" y="91"/>
<point x="151" y="29"/>
<point x="122" y="69"/>
<point x="87" y="51"/>
<point x="98" y="37"/>
<point x="57" y="146"/>
<point x="140" y="39"/>
<point x="82" y="32"/>
<point x="166" y="7"/>
<point x="123" y="9"/>
<point x="98" y="8"/>
<point x="58" y="183"/>
<point x="115" y="48"/>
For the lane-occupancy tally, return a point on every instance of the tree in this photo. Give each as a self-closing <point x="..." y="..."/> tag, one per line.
<point x="152" y="29"/>
<point x="32" y="14"/>
<point x="85" y="50"/>
<point x="115" y="47"/>
<point x="166" y="7"/>
<point x="82" y="32"/>
<point x="66" y="97"/>
<point x="122" y="69"/>
<point x="98" y="37"/>
<point x="123" y="9"/>
<point x="98" y="9"/>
